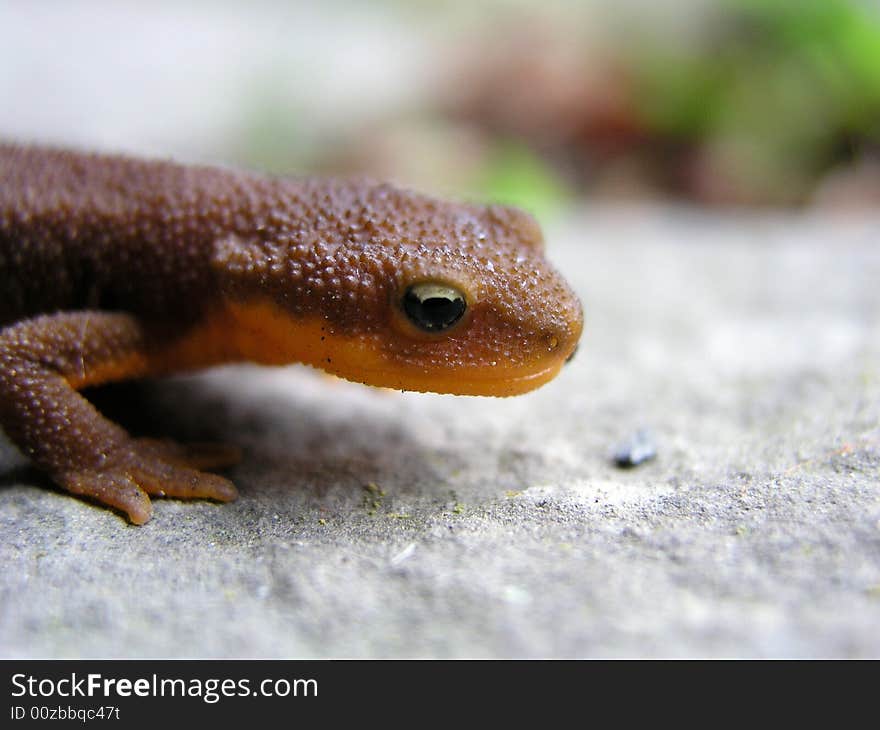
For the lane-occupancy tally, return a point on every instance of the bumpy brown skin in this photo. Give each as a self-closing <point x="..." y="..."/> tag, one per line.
<point x="114" y="268"/>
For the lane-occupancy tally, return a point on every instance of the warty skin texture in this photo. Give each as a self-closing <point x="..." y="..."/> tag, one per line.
<point x="114" y="268"/>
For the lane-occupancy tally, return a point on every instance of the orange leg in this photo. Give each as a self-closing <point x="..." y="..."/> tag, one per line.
<point x="43" y="362"/>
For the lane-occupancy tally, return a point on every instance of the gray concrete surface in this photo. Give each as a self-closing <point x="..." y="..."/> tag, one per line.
<point x="751" y="348"/>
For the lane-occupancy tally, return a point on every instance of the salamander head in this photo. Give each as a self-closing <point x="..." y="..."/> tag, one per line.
<point x="399" y="290"/>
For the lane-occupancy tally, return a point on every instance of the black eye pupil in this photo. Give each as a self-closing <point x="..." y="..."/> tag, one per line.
<point x="433" y="307"/>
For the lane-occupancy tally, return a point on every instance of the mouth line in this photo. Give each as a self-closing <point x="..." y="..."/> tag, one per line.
<point x="263" y="333"/>
<point x="454" y="383"/>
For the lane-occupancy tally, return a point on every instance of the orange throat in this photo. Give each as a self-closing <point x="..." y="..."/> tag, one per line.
<point x="261" y="332"/>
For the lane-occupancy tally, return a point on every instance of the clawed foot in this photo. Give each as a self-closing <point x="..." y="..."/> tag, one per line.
<point x="161" y="468"/>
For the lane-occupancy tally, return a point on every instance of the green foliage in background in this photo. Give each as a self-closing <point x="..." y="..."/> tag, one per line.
<point x="784" y="87"/>
<point x="828" y="49"/>
<point x="515" y="175"/>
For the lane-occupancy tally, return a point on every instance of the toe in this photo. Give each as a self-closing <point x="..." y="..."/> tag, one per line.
<point x="111" y="489"/>
<point x="207" y="456"/>
<point x="165" y="480"/>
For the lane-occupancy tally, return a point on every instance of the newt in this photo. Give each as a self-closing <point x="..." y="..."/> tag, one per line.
<point x="116" y="268"/>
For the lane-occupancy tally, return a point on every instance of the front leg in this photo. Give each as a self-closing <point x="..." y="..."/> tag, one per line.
<point x="43" y="362"/>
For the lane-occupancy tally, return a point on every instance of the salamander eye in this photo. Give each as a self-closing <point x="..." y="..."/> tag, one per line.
<point x="433" y="307"/>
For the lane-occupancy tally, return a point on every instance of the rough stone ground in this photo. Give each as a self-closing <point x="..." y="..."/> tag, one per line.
<point x="751" y="348"/>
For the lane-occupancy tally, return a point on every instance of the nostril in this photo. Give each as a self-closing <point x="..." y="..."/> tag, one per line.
<point x="573" y="353"/>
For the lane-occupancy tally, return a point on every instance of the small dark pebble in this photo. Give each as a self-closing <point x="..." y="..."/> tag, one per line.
<point x="637" y="449"/>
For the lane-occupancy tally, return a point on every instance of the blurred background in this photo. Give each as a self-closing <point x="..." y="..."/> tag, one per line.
<point x="544" y="103"/>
